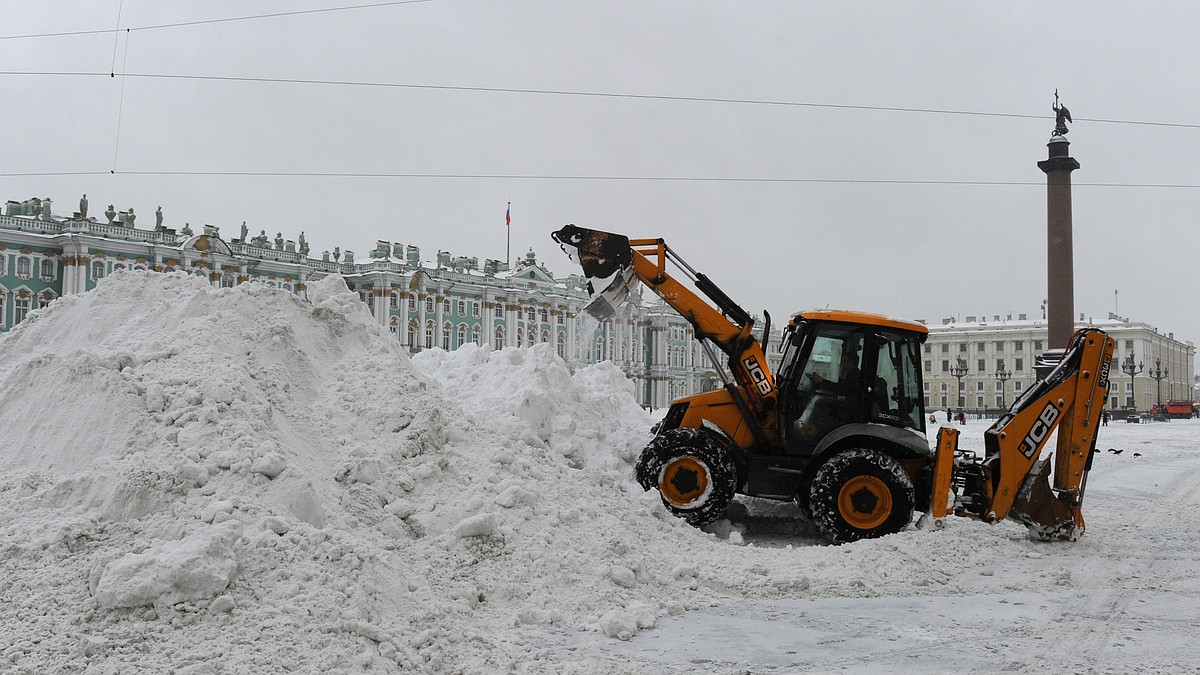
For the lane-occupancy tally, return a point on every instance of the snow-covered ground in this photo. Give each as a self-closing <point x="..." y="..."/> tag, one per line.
<point x="201" y="480"/>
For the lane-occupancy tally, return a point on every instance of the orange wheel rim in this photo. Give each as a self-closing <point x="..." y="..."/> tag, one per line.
<point x="865" y="502"/>
<point x="684" y="480"/>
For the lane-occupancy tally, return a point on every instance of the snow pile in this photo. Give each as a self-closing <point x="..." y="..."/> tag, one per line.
<point x="590" y="418"/>
<point x="254" y="483"/>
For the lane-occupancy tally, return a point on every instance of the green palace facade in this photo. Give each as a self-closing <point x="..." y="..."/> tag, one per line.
<point x="444" y="303"/>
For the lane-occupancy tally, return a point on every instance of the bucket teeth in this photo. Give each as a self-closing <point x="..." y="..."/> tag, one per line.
<point x="607" y="262"/>
<point x="1046" y="515"/>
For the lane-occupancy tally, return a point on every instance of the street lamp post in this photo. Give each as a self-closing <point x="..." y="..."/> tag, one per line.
<point x="1159" y="374"/>
<point x="959" y="371"/>
<point x="1003" y="376"/>
<point x="1131" y="369"/>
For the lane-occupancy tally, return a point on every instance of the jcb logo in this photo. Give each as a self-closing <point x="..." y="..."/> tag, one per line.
<point x="757" y="374"/>
<point x="1037" y="433"/>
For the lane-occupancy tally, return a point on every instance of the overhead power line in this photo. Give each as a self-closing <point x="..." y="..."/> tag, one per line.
<point x="566" y="92"/>
<point x="182" y="24"/>
<point x="579" y="177"/>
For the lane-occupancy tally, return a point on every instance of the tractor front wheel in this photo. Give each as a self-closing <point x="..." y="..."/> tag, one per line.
<point x="693" y="473"/>
<point x="860" y="494"/>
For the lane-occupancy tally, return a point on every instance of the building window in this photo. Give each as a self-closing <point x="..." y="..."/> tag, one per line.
<point x="544" y="316"/>
<point x="462" y="307"/>
<point x="978" y="401"/>
<point x="982" y="365"/>
<point x="45" y="299"/>
<point x="462" y="334"/>
<point x="498" y="338"/>
<point x="445" y="308"/>
<point x="412" y="334"/>
<point x="1020" y="346"/>
<point x="475" y="310"/>
<point x="499" y="311"/>
<point x="24" y="267"/>
<point x="978" y="386"/>
<point x="562" y="345"/>
<point x="429" y="335"/>
<point x="545" y="336"/>
<point x="394" y="301"/>
<point x="999" y="401"/>
<point x="999" y="365"/>
<point x="20" y="309"/>
<point x="532" y="314"/>
<point x="48" y="269"/>
<point x="1037" y="345"/>
<point x="97" y="270"/>
<point x="945" y="366"/>
<point x="562" y="319"/>
<point x="945" y="348"/>
<point x="227" y="281"/>
<point x="962" y="349"/>
<point x="394" y="326"/>
<point x="929" y="366"/>
<point x="1020" y="365"/>
<point x="1017" y="386"/>
<point x="3" y="322"/>
<point x="412" y="303"/>
<point x="477" y="335"/>
<point x="446" y="330"/>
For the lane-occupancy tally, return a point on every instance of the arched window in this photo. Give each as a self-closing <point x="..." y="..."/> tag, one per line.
<point x="462" y="307"/>
<point x="498" y="338"/>
<point x="118" y="266"/>
<point x="168" y="269"/>
<point x="24" y="267"/>
<point x="545" y="336"/>
<point x="447" y="329"/>
<point x="462" y="335"/>
<point x="394" y="326"/>
<point x="48" y="269"/>
<point x="412" y="303"/>
<point x="562" y="345"/>
<point x="394" y="302"/>
<point x="545" y="316"/>
<point x="228" y="280"/>
<point x="598" y="355"/>
<point x="97" y="270"/>
<point x="477" y="335"/>
<point x="532" y="336"/>
<point x="475" y="309"/>
<point x="412" y="333"/>
<point x="532" y="314"/>
<point x="429" y="335"/>
<point x="445" y="308"/>
<point x="428" y="306"/>
<point x="498" y="312"/>
<point x="20" y="308"/>
<point x="45" y="299"/>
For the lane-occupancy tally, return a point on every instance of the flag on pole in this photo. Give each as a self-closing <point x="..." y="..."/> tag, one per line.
<point x="508" y="216"/>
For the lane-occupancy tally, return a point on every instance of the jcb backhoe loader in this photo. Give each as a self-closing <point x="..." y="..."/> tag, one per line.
<point x="842" y="429"/>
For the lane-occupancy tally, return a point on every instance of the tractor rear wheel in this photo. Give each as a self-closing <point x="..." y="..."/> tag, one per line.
<point x="859" y="494"/>
<point x="693" y="473"/>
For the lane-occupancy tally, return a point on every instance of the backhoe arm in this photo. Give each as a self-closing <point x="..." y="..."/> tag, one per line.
<point x="1011" y="481"/>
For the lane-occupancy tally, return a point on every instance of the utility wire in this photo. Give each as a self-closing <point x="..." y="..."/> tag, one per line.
<point x="205" y="21"/>
<point x="566" y="177"/>
<point x="595" y="94"/>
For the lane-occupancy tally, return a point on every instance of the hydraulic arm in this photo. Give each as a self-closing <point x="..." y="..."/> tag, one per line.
<point x="1012" y="479"/>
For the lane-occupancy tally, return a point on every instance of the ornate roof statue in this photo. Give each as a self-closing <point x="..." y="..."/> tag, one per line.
<point x="1061" y="117"/>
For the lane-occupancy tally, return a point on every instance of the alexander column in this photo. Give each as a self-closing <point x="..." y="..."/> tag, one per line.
<point x="1060" y="272"/>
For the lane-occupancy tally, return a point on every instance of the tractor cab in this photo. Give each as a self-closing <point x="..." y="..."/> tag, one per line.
<point x="848" y="373"/>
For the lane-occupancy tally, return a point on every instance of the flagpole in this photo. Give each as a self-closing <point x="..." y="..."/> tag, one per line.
<point x="508" y="242"/>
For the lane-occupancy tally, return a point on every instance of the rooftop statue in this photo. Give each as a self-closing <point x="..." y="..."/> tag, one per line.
<point x="1061" y="117"/>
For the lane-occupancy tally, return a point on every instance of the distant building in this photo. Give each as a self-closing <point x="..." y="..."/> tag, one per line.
<point x="978" y="347"/>
<point x="443" y="303"/>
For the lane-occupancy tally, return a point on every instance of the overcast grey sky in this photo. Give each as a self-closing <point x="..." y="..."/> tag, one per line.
<point x="791" y="215"/>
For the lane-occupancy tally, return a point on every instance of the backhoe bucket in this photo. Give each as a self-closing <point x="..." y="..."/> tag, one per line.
<point x="607" y="262"/>
<point x="1047" y="516"/>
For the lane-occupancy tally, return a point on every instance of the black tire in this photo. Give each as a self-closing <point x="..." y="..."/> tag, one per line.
<point x="861" y="494"/>
<point x="693" y="473"/>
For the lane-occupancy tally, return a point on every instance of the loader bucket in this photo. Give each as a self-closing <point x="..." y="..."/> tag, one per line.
<point x="607" y="262"/>
<point x="1047" y="516"/>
